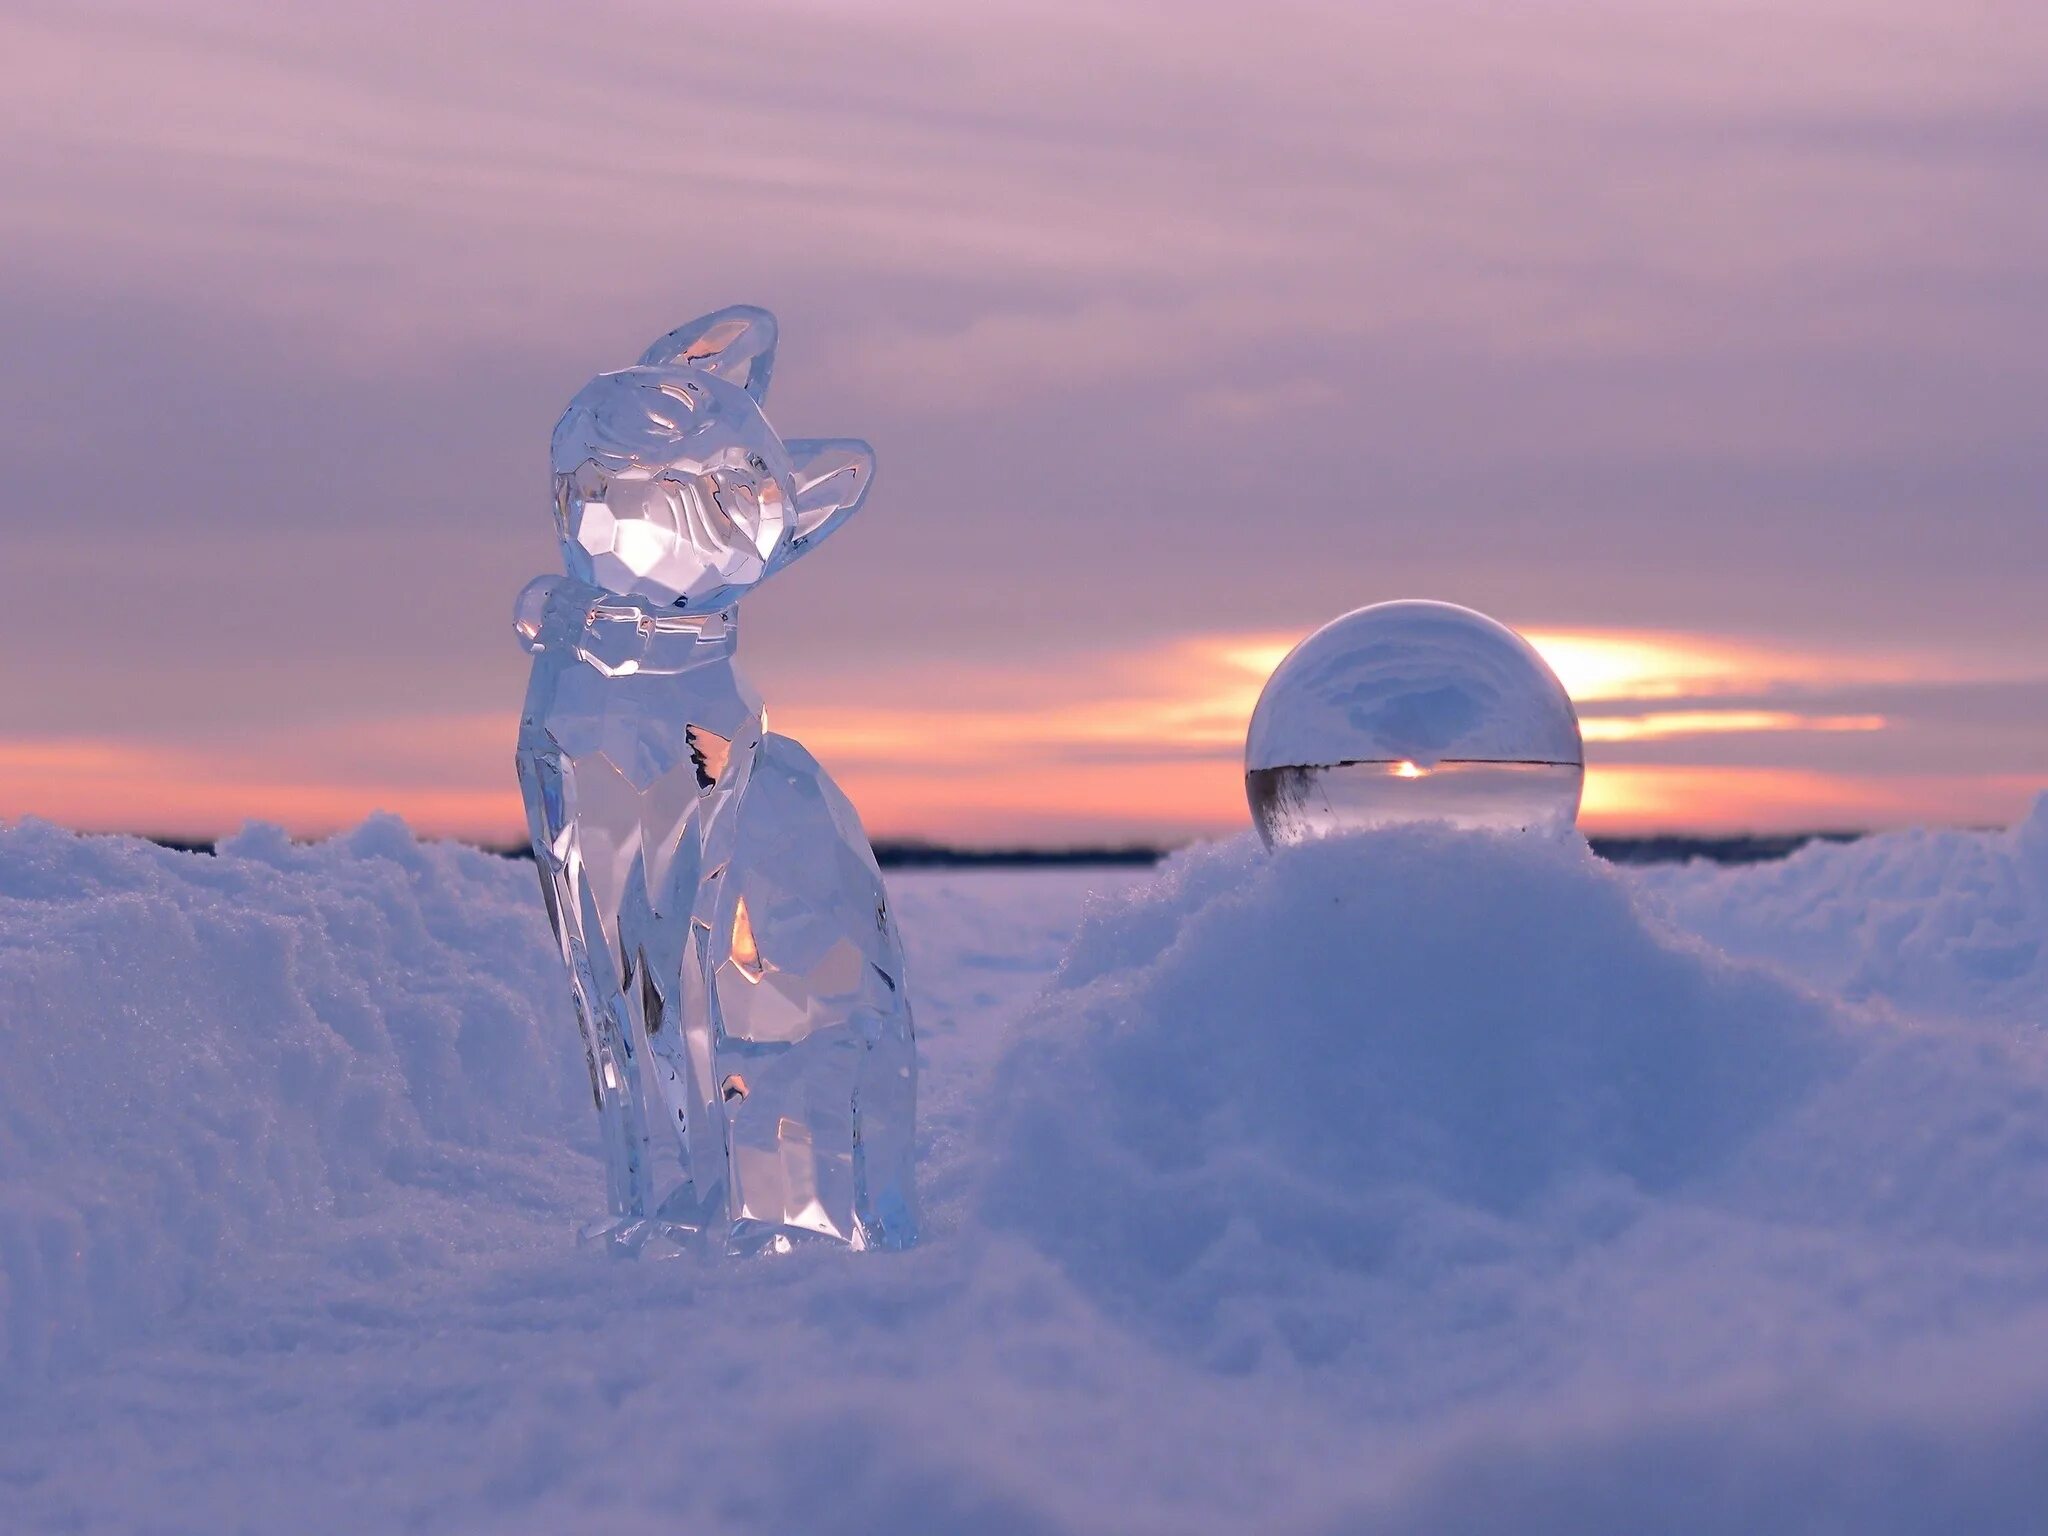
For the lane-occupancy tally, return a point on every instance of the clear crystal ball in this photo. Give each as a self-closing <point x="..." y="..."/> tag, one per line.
<point x="1411" y="712"/>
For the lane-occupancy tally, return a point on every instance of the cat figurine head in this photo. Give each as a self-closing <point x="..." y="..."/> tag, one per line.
<point x="672" y="487"/>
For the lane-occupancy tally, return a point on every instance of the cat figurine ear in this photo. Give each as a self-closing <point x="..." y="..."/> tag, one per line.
<point x="737" y="343"/>
<point x="832" y="479"/>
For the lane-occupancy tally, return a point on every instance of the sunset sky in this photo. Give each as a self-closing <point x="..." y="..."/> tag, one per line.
<point x="1705" y="342"/>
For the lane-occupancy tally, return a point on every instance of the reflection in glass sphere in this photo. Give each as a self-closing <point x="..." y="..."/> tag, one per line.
<point x="1412" y="711"/>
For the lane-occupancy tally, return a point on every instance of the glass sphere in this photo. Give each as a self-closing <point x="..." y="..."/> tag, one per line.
<point x="1408" y="712"/>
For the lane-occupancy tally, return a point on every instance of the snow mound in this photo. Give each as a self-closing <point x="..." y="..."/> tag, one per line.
<point x="1952" y="924"/>
<point x="1417" y="1182"/>
<point x="207" y="1052"/>
<point x="1314" y="1072"/>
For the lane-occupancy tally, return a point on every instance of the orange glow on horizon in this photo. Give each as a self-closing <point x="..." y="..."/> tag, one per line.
<point x="1105" y="802"/>
<point x="1699" y="722"/>
<point x="171" y="792"/>
<point x="1141" y="745"/>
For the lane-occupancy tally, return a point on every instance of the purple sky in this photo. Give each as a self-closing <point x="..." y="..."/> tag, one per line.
<point x="1727" y="322"/>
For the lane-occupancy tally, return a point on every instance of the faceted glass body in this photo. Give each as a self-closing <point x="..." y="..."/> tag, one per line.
<point x="737" y="978"/>
<point x="1412" y="711"/>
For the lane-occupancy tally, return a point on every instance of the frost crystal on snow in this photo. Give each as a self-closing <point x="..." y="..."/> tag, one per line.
<point x="1409" y="712"/>
<point x="737" y="978"/>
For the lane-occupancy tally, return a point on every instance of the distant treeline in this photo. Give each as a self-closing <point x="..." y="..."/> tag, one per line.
<point x="1666" y="848"/>
<point x="1671" y="848"/>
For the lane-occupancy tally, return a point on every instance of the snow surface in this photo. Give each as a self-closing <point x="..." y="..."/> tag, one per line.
<point x="1419" y="1182"/>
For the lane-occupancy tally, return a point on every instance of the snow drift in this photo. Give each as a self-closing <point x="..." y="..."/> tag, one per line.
<point x="1410" y="1183"/>
<point x="204" y="1053"/>
<point x="1953" y="924"/>
<point x="1287" y="1077"/>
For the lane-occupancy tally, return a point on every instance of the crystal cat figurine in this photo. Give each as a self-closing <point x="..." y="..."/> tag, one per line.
<point x="737" y="976"/>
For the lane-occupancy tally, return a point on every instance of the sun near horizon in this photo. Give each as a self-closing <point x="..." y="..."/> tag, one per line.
<point x="1684" y="735"/>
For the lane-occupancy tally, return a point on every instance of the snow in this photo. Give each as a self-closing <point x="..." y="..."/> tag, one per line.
<point x="1946" y="923"/>
<point x="1418" y="1182"/>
